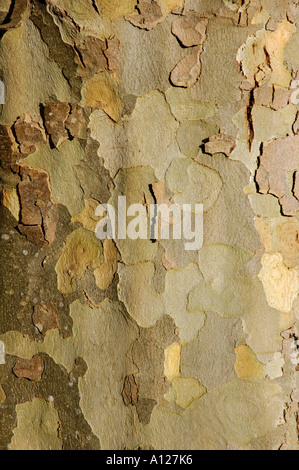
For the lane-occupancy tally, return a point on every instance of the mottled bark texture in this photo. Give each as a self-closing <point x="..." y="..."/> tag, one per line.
<point x="141" y="344"/>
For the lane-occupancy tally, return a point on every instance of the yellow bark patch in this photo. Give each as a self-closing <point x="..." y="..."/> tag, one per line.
<point x="11" y="202"/>
<point x="264" y="229"/>
<point x="167" y="6"/>
<point x="172" y="361"/>
<point x="287" y="242"/>
<point x="82" y="251"/>
<point x="187" y="389"/>
<point x="112" y="9"/>
<point x="281" y="284"/>
<point x="263" y="55"/>
<point x="87" y="217"/>
<point x="101" y="91"/>
<point x="247" y="365"/>
<point x="104" y="274"/>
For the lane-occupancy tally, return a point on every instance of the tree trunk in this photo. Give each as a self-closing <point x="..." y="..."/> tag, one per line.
<point x="137" y="341"/>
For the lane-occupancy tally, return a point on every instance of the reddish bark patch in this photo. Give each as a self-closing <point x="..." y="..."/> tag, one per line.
<point x="31" y="369"/>
<point x="38" y="215"/>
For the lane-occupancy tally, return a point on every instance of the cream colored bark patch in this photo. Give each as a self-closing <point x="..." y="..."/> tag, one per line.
<point x="29" y="74"/>
<point x="265" y="47"/>
<point x="274" y="368"/>
<point x="192" y="134"/>
<point x="108" y="335"/>
<point x="82" y="251"/>
<point x="185" y="106"/>
<point x="61" y="166"/>
<point x="152" y="361"/>
<point x="242" y="152"/>
<point x="151" y="64"/>
<point x="228" y="291"/>
<point x="104" y="275"/>
<point x="247" y="364"/>
<point x="37" y="428"/>
<point x="264" y="327"/>
<point x="172" y="361"/>
<point x="280" y="283"/>
<point x="216" y="421"/>
<point x="178" y="285"/>
<point x="222" y="290"/>
<point x="136" y="291"/>
<point x="269" y="123"/>
<point x="146" y="305"/>
<point x="264" y="205"/>
<point x="204" y="185"/>
<point x="203" y="355"/>
<point x="177" y="175"/>
<point x="140" y="139"/>
<point x="168" y="262"/>
<point x="291" y="50"/>
<point x="280" y="234"/>
<point x="135" y="183"/>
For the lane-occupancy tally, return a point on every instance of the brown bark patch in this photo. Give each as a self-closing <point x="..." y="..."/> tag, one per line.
<point x="45" y="318"/>
<point x="31" y="369"/>
<point x="39" y="215"/>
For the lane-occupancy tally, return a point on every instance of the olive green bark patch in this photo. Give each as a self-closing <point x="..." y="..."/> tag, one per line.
<point x="61" y="166"/>
<point x="37" y="429"/>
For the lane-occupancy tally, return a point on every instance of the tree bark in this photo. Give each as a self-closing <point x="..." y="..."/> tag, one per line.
<point x="122" y="343"/>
